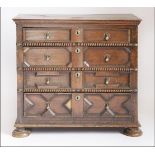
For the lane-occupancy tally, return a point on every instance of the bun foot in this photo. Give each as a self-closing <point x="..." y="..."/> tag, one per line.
<point x="21" y="133"/>
<point x="132" y="132"/>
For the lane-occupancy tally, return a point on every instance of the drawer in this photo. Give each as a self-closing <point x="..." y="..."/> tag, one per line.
<point x="47" y="79"/>
<point x="48" y="34"/>
<point x="109" y="105"/>
<point x="47" y="105"/>
<point x="106" y="80"/>
<point x="36" y="56"/>
<point x="118" y="56"/>
<point x="79" y="107"/>
<point x="107" y="35"/>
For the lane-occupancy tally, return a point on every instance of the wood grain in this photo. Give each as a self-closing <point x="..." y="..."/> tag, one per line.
<point x="77" y="71"/>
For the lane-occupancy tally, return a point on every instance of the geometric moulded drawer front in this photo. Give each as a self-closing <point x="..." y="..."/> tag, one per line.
<point x="47" y="56"/>
<point x="47" y="105"/>
<point x="107" y="56"/>
<point x="47" y="79"/>
<point x="106" y="79"/>
<point x="107" y="105"/>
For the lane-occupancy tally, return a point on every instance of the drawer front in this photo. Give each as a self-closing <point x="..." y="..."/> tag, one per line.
<point x="79" y="108"/>
<point x="47" y="105"/>
<point x="106" y="80"/>
<point x="107" y="35"/>
<point x="118" y="56"/>
<point x="47" y="56"/>
<point x="47" y="79"/>
<point x="109" y="106"/>
<point x="38" y="34"/>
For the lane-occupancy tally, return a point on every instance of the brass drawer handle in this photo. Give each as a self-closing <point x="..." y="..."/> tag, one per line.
<point x="47" y="81"/>
<point x="47" y="57"/>
<point x="77" y="32"/>
<point x="77" y="98"/>
<point x="48" y="34"/>
<point x="77" y="50"/>
<point x="106" y="81"/>
<point x="107" y="58"/>
<point x="106" y="36"/>
<point x="77" y="74"/>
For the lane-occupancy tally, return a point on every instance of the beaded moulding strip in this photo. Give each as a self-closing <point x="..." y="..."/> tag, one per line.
<point x="124" y="69"/>
<point x="67" y="44"/>
<point x="28" y="90"/>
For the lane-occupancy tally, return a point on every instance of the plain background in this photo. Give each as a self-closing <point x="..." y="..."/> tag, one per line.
<point x="75" y="138"/>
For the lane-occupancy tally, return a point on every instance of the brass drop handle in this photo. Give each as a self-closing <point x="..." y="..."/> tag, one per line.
<point x="106" y="81"/>
<point x="47" y="57"/>
<point x="77" y="32"/>
<point x="107" y="58"/>
<point x="106" y="36"/>
<point x="77" y="98"/>
<point x="48" y="34"/>
<point x="77" y="74"/>
<point x="47" y="81"/>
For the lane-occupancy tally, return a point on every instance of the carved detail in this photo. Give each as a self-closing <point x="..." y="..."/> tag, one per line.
<point x="81" y="90"/>
<point x="48" y="109"/>
<point x="19" y="44"/>
<point x="108" y="105"/>
<point x="124" y="69"/>
<point x="66" y="44"/>
<point x="68" y="105"/>
<point x="46" y="104"/>
<point x="19" y="90"/>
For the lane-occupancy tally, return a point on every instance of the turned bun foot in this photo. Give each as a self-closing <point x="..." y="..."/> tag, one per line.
<point x="21" y="133"/>
<point x="132" y="132"/>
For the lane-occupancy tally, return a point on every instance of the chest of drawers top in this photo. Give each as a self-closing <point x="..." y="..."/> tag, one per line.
<point x="108" y="30"/>
<point x="98" y="18"/>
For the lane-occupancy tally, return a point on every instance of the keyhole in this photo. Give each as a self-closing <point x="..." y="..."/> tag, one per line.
<point x="77" y="32"/>
<point x="78" y="98"/>
<point x="77" y="74"/>
<point x="77" y="50"/>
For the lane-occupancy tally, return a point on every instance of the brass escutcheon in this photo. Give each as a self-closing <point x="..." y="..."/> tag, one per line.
<point x="77" y="74"/>
<point x="77" y="32"/>
<point x="77" y="98"/>
<point x="77" y="50"/>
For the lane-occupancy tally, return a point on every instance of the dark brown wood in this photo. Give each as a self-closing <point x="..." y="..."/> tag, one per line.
<point x="47" y="80"/>
<point x="105" y="56"/>
<point x="118" y="19"/>
<point x="113" y="35"/>
<point x="33" y="34"/>
<point x="107" y="80"/>
<point x="77" y="71"/>
<point x="47" y="57"/>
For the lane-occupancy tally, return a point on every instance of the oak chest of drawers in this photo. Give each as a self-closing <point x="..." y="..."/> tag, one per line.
<point x="77" y="71"/>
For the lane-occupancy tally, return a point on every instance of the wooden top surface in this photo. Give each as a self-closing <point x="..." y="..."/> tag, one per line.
<point x="77" y="17"/>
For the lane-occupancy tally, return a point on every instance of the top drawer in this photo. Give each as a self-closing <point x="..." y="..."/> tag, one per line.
<point x="42" y="34"/>
<point x="107" y="35"/>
